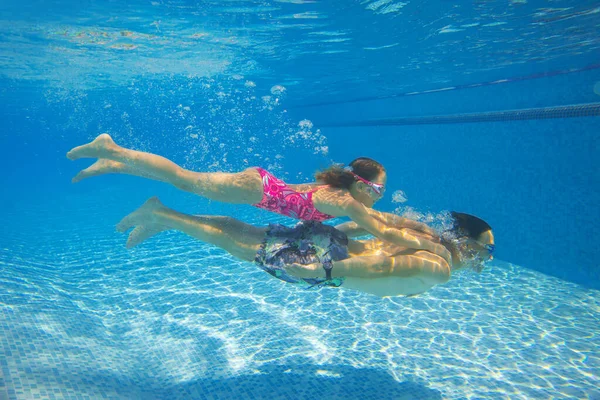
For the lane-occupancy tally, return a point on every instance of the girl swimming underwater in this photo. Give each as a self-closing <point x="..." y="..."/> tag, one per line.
<point x="338" y="192"/>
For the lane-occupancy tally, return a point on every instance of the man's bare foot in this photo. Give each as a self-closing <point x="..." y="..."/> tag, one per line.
<point x="100" y="147"/>
<point x="141" y="216"/>
<point x="143" y="232"/>
<point x="100" y="167"/>
<point x="144" y="222"/>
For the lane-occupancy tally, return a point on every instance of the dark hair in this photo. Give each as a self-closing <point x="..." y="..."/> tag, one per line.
<point x="469" y="225"/>
<point x="339" y="177"/>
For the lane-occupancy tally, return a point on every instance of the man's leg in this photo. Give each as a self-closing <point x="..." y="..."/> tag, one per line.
<point x="240" y="239"/>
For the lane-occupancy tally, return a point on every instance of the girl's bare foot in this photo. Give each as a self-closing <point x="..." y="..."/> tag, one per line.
<point x="100" y="147"/>
<point x="100" y="167"/>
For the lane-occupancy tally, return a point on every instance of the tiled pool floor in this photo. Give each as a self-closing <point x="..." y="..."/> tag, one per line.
<point x="81" y="317"/>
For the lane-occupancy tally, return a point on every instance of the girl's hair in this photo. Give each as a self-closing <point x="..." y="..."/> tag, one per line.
<point x="340" y="177"/>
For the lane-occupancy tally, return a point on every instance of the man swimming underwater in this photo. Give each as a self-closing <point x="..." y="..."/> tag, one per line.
<point x="316" y="254"/>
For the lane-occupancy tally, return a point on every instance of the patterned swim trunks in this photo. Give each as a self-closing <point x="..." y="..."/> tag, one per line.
<point x="308" y="242"/>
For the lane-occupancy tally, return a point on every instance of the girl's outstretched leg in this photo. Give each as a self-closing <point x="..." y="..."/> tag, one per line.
<point x="241" y="188"/>
<point x="104" y="166"/>
<point x="240" y="239"/>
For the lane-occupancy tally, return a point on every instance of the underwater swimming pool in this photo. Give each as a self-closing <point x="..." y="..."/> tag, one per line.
<point x="489" y="108"/>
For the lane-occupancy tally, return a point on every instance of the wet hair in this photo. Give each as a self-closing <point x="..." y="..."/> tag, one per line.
<point x="468" y="225"/>
<point x="340" y="177"/>
<point x="465" y="226"/>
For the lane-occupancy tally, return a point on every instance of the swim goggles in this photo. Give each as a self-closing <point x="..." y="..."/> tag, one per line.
<point x="377" y="187"/>
<point x="474" y="253"/>
<point x="490" y="248"/>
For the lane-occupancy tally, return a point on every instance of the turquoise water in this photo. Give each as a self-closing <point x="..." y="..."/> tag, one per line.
<point x="293" y="86"/>
<point x="179" y="319"/>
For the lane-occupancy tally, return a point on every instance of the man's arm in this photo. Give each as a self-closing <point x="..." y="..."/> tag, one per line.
<point x="429" y="268"/>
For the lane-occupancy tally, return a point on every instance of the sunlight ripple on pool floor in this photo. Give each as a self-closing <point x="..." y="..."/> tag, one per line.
<point x="174" y="319"/>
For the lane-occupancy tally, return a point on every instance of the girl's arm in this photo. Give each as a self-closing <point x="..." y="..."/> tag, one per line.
<point x="352" y="229"/>
<point x="398" y="236"/>
<point x="395" y="221"/>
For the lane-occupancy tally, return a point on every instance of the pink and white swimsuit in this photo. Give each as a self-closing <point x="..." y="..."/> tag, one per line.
<point x="279" y="198"/>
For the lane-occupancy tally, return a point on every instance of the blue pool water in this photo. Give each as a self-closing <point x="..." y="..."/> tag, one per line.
<point x="294" y="85"/>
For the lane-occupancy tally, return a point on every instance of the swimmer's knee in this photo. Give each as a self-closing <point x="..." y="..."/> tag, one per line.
<point x="228" y="221"/>
<point x="185" y="180"/>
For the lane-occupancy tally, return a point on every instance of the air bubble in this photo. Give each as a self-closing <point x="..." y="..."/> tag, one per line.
<point x="277" y="90"/>
<point x="399" y="197"/>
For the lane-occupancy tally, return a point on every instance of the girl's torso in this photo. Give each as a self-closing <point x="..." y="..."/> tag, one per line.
<point x="309" y="202"/>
